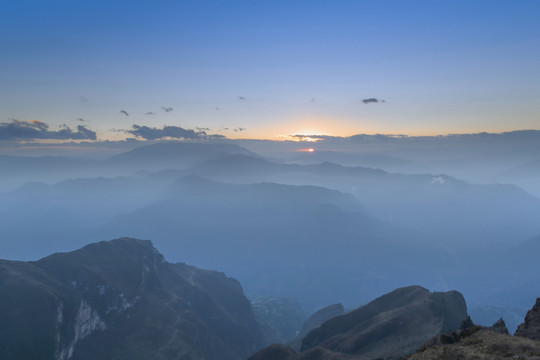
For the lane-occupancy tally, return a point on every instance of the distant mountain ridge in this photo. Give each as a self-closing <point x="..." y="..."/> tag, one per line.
<point x="154" y="157"/>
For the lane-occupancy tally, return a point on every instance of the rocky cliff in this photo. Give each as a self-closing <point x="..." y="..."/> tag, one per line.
<point x="120" y="299"/>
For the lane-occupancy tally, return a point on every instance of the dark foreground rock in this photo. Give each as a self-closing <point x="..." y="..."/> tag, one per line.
<point x="473" y="342"/>
<point x="484" y="344"/>
<point x="121" y="300"/>
<point x="531" y="327"/>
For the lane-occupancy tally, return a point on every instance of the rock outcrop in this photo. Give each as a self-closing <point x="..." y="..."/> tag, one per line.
<point x="500" y="327"/>
<point x="531" y="327"/>
<point x="485" y="343"/>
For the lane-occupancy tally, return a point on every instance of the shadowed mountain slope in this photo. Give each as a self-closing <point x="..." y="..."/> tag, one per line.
<point x="389" y="327"/>
<point x="121" y="300"/>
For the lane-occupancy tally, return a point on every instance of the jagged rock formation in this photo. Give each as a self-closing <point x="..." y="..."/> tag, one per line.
<point x="531" y="327"/>
<point x="500" y="327"/>
<point x="483" y="344"/>
<point x="121" y="300"/>
<point x="389" y="327"/>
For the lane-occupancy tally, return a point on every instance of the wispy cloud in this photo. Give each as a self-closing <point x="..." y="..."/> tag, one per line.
<point x="35" y="129"/>
<point x="373" y="100"/>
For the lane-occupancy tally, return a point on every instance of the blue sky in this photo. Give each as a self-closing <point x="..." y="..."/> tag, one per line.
<point x="301" y="66"/>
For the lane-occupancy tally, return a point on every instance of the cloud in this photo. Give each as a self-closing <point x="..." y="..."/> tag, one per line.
<point x="373" y="100"/>
<point x="175" y="132"/>
<point x="124" y="112"/>
<point x="239" y="129"/>
<point x="167" y="108"/>
<point x="437" y="180"/>
<point x="35" y="129"/>
<point x="91" y="135"/>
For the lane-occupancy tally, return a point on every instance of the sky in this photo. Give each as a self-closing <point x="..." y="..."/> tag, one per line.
<point x="107" y="70"/>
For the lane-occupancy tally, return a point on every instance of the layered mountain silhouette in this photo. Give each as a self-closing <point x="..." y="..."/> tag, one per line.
<point x="323" y="229"/>
<point x="121" y="300"/>
<point x="153" y="157"/>
<point x="174" y="154"/>
<point x="498" y="212"/>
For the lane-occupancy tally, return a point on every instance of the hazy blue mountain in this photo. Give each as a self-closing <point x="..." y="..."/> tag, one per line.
<point x="448" y="209"/>
<point x="280" y="318"/>
<point x="525" y="175"/>
<point x="279" y="238"/>
<point x="40" y="218"/>
<point x="121" y="300"/>
<point x="17" y="170"/>
<point x="174" y="154"/>
<point x="373" y="160"/>
<point x="305" y="242"/>
<point x="529" y="169"/>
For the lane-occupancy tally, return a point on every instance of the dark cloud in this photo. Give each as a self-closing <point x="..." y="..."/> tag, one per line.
<point x="80" y="119"/>
<point x="124" y="112"/>
<point x="373" y="100"/>
<point x="202" y="128"/>
<point x="150" y="113"/>
<point x="239" y="129"/>
<point x="35" y="129"/>
<point x="175" y="132"/>
<point x="242" y="98"/>
<point x="83" y="130"/>
<point x="167" y="108"/>
<point x="83" y="99"/>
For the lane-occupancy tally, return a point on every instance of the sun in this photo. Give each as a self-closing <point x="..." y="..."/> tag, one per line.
<point x="310" y="150"/>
